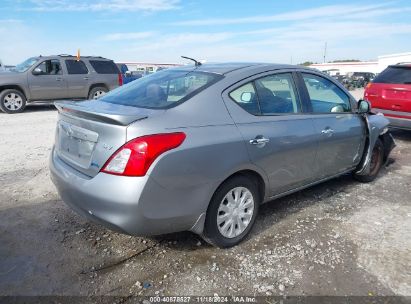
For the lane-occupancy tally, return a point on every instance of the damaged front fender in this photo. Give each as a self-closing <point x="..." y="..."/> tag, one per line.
<point x="377" y="127"/>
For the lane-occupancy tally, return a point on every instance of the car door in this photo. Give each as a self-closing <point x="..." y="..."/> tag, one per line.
<point x="279" y="138"/>
<point x="78" y="78"/>
<point x="49" y="82"/>
<point x="340" y="131"/>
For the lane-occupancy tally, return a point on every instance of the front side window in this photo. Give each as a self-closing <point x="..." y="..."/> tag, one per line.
<point x="325" y="96"/>
<point x="270" y="95"/>
<point x="76" y="67"/>
<point x="161" y="90"/>
<point x="50" y="67"/>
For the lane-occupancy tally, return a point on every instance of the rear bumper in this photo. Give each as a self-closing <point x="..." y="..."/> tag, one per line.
<point x="131" y="205"/>
<point x="400" y="120"/>
<point x="400" y="123"/>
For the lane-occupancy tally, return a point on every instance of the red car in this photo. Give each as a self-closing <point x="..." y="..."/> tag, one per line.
<point x="390" y="94"/>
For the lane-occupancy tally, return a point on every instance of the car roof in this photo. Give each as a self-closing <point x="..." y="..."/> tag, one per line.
<point x="225" y="68"/>
<point x="401" y="65"/>
<point x="72" y="57"/>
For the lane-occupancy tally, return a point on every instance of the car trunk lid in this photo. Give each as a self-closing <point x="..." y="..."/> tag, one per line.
<point x="394" y="97"/>
<point x="89" y="132"/>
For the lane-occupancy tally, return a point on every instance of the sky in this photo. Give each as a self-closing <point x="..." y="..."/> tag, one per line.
<point x="291" y="31"/>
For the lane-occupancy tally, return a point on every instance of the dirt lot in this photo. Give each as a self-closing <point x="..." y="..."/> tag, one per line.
<point x="338" y="238"/>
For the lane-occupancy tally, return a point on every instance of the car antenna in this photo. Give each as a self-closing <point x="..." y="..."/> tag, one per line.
<point x="196" y="62"/>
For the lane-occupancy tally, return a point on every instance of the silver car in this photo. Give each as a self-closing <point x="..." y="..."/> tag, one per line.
<point x="200" y="148"/>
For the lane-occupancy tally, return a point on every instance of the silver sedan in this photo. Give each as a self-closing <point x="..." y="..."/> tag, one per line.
<point x="201" y="148"/>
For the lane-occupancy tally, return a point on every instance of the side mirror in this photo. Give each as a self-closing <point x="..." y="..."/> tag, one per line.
<point x="128" y="73"/>
<point x="37" y="71"/>
<point x="246" y="96"/>
<point x="364" y="106"/>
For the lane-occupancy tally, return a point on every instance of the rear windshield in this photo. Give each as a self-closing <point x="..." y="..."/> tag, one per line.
<point x="161" y="90"/>
<point x="394" y="74"/>
<point x="104" y="67"/>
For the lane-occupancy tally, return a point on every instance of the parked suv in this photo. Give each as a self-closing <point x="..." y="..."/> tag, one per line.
<point x="128" y="76"/>
<point x="390" y="94"/>
<point x="49" y="78"/>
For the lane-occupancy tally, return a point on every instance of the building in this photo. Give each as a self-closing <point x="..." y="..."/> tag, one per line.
<point x="386" y="60"/>
<point x="344" y="68"/>
<point x="146" y="67"/>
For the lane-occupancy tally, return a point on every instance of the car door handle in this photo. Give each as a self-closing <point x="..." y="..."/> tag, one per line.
<point x="85" y="78"/>
<point x="259" y="141"/>
<point x="59" y="79"/>
<point x="327" y="131"/>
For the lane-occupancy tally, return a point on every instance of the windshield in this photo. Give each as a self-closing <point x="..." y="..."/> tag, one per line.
<point x="25" y="65"/>
<point x="161" y="90"/>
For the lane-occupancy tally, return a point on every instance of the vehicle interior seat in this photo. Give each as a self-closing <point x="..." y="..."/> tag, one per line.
<point x="252" y="105"/>
<point x="271" y="103"/>
<point x="155" y="93"/>
<point x="55" y="69"/>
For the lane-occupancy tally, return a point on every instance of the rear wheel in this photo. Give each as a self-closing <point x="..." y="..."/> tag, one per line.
<point x="12" y="101"/>
<point x="232" y="212"/>
<point x="377" y="159"/>
<point x="97" y="92"/>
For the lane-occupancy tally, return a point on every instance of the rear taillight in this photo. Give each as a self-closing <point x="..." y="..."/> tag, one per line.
<point x="366" y="89"/>
<point x="136" y="156"/>
<point x="120" y="79"/>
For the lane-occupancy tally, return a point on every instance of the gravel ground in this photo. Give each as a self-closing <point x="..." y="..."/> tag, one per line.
<point x="338" y="238"/>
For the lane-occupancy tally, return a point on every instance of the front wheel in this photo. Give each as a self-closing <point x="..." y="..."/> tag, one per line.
<point x="12" y="101"/>
<point x="377" y="159"/>
<point x="232" y="212"/>
<point x="97" y="92"/>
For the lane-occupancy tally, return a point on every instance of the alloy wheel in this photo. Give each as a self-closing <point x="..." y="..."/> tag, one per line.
<point x="98" y="94"/>
<point x="13" y="102"/>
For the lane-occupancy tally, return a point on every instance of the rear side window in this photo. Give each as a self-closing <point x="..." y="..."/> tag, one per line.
<point x="270" y="95"/>
<point x="161" y="90"/>
<point x="104" y="67"/>
<point x="246" y="98"/>
<point x="325" y="96"/>
<point x="394" y="74"/>
<point x="276" y="94"/>
<point x="76" y="67"/>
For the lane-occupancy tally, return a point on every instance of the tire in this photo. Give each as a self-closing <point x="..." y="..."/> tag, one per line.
<point x="12" y="101"/>
<point x="377" y="160"/>
<point x="97" y="92"/>
<point x="215" y="231"/>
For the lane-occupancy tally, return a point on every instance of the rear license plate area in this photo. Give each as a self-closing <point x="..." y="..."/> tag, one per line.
<point x="76" y="144"/>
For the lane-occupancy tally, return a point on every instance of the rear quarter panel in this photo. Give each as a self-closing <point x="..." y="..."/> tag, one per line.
<point x="212" y="151"/>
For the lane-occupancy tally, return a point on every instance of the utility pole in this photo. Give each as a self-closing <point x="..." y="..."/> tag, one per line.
<point x="325" y="50"/>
